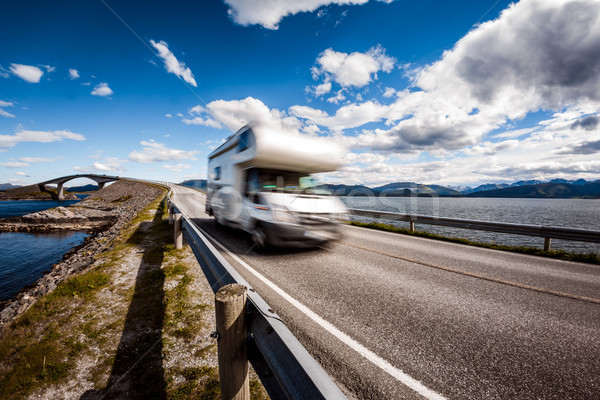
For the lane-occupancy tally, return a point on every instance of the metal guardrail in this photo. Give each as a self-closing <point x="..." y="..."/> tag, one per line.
<point x="547" y="232"/>
<point x="283" y="365"/>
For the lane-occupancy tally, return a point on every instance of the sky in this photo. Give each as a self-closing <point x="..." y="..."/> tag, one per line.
<point x="439" y="92"/>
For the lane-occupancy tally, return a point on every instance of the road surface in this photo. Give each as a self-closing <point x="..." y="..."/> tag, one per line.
<point x="409" y="317"/>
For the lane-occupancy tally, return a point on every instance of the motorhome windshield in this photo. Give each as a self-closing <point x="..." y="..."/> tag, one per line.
<point x="266" y="180"/>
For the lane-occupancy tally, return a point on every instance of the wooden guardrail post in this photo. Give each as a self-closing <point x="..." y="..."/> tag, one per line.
<point x="170" y="213"/>
<point x="230" y="308"/>
<point x="412" y="226"/>
<point x="547" y="244"/>
<point x="178" y="231"/>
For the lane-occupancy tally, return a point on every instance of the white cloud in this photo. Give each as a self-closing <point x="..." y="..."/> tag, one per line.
<point x="176" y="167"/>
<point x="269" y="13"/>
<point x="3" y="112"/>
<point x="111" y="164"/>
<point x="337" y="98"/>
<point x="14" y="164"/>
<point x="202" y="121"/>
<point x="499" y="72"/>
<point x="355" y="69"/>
<point x="172" y="64"/>
<point x="102" y="89"/>
<point x="346" y="117"/>
<point x="28" y="73"/>
<point x="22" y="174"/>
<point x="236" y="113"/>
<point x="73" y="73"/>
<point x="169" y="115"/>
<point x="389" y="92"/>
<point x="322" y="88"/>
<point x="156" y="152"/>
<point x="8" y="141"/>
<point x="36" y="159"/>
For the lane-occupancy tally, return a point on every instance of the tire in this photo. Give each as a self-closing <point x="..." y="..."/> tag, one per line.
<point x="259" y="238"/>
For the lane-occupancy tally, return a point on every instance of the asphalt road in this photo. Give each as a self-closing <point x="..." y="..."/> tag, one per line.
<point x="465" y="322"/>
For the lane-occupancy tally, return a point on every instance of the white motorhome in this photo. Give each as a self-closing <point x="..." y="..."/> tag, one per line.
<point x="260" y="181"/>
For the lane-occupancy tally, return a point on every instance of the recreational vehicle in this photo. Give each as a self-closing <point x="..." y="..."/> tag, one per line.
<point x="260" y="181"/>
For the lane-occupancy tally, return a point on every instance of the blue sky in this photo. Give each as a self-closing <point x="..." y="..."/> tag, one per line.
<point x="455" y="93"/>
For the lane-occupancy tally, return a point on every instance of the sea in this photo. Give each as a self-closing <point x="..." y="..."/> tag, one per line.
<point x="564" y="213"/>
<point x="25" y="257"/>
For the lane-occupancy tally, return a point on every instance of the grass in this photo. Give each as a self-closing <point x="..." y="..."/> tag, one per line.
<point x="159" y="320"/>
<point x="42" y="345"/>
<point x="590" y="258"/>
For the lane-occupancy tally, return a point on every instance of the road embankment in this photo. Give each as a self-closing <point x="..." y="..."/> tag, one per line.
<point x="103" y="215"/>
<point x="133" y="319"/>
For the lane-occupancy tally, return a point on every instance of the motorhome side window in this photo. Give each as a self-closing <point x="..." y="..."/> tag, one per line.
<point x="217" y="173"/>
<point x="244" y="142"/>
<point x="252" y="182"/>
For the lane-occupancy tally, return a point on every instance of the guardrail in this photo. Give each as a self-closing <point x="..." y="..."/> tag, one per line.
<point x="547" y="232"/>
<point x="283" y="365"/>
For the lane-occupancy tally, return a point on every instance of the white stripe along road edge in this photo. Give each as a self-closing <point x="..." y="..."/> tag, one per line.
<point x="344" y="338"/>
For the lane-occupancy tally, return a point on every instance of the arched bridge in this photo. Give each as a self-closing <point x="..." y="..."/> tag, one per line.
<point x="101" y="180"/>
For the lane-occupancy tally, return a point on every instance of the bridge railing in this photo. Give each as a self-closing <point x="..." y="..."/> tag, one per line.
<point x="547" y="232"/>
<point x="283" y="365"/>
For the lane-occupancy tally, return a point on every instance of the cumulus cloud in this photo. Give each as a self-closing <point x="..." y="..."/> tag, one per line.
<point x="583" y="148"/>
<point x="9" y="141"/>
<point x="36" y="159"/>
<point x="14" y="164"/>
<point x="156" y="152"/>
<point x="234" y="114"/>
<point x="588" y="123"/>
<point x="537" y="55"/>
<point x="73" y="73"/>
<point x="269" y="13"/>
<point x="172" y="64"/>
<point x="196" y="119"/>
<point x="111" y="164"/>
<point x="28" y="73"/>
<point x="323" y="88"/>
<point x="355" y="69"/>
<point x="346" y="117"/>
<point x="102" y="90"/>
<point x="176" y="167"/>
<point x="3" y="112"/>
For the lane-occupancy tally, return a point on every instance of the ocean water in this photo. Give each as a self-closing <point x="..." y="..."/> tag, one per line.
<point x="21" y="207"/>
<point x="25" y="256"/>
<point x="573" y="213"/>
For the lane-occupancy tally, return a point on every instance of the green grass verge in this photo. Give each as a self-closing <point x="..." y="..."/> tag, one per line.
<point x="42" y="345"/>
<point x="590" y="258"/>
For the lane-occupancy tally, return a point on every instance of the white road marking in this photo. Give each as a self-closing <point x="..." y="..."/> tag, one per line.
<point x="344" y="338"/>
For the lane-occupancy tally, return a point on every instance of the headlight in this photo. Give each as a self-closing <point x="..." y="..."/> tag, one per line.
<point x="282" y="214"/>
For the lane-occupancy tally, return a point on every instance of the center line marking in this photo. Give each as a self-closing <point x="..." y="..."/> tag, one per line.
<point x="477" y="276"/>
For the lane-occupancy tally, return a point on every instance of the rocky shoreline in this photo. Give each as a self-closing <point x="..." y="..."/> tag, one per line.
<point x="102" y="214"/>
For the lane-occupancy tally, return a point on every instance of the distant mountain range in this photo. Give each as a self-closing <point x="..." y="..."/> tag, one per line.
<point x="7" y="186"/>
<point x="85" y="188"/>
<point x="557" y="188"/>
